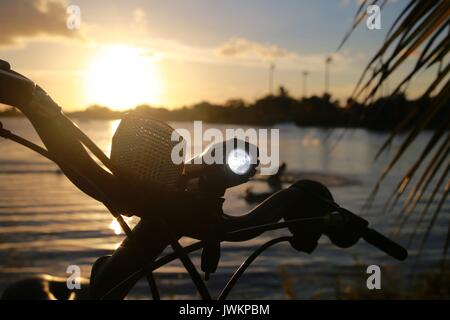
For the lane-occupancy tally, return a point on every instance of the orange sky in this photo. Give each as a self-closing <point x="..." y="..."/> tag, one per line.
<point x="181" y="52"/>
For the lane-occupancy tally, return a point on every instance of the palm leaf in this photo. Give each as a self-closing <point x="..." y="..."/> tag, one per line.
<point x="447" y="243"/>
<point x="401" y="187"/>
<point x="438" y="208"/>
<point x="417" y="192"/>
<point x="423" y="27"/>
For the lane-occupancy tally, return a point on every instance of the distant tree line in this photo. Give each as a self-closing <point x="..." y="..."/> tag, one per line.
<point x="382" y="114"/>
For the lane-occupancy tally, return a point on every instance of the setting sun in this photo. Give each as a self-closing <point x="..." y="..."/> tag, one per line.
<point x="121" y="77"/>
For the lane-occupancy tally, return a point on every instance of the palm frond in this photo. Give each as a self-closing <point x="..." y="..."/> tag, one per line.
<point x="447" y="243"/>
<point x="415" y="195"/>
<point x="420" y="32"/>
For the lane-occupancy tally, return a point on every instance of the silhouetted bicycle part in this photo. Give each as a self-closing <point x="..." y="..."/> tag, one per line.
<point x="191" y="208"/>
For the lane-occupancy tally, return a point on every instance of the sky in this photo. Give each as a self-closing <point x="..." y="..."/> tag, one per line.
<point x="179" y="52"/>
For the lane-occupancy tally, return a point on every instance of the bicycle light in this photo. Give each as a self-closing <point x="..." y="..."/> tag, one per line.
<point x="222" y="165"/>
<point x="239" y="161"/>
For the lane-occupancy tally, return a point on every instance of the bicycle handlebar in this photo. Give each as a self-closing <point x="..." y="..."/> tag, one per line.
<point x="15" y="89"/>
<point x="303" y="201"/>
<point x="385" y="244"/>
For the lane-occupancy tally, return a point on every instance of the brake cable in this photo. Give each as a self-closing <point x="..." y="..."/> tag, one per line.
<point x="223" y="295"/>
<point x="198" y="245"/>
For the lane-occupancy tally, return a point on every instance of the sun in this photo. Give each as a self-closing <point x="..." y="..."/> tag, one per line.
<point x="122" y="77"/>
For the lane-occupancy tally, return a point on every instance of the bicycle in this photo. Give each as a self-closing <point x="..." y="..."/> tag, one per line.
<point x="139" y="179"/>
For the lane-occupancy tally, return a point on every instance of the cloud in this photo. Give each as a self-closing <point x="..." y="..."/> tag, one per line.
<point x="26" y="19"/>
<point x="244" y="52"/>
<point x="241" y="47"/>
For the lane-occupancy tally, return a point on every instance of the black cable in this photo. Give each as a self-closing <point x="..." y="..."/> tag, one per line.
<point x="89" y="144"/>
<point x="153" y="286"/>
<point x="199" y="245"/>
<point x="273" y="226"/>
<point x="43" y="152"/>
<point x="24" y="142"/>
<point x="153" y="266"/>
<point x="192" y="270"/>
<point x="229" y="286"/>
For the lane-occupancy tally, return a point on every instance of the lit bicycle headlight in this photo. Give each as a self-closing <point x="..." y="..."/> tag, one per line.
<point x="222" y="165"/>
<point x="239" y="161"/>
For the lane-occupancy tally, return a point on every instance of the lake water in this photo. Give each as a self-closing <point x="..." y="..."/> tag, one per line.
<point x="46" y="224"/>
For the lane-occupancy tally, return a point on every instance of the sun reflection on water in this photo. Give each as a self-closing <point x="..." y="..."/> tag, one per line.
<point x="115" y="225"/>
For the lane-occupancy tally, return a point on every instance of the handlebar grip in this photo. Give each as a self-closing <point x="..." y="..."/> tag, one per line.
<point x="387" y="245"/>
<point x="15" y="90"/>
